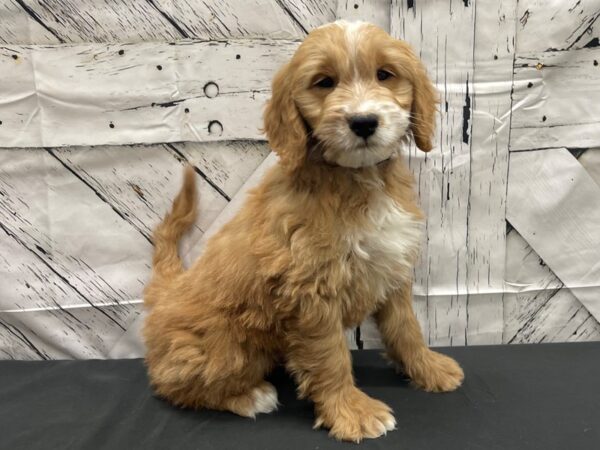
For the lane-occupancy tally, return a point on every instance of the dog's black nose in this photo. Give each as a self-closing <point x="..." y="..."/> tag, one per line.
<point x="363" y="125"/>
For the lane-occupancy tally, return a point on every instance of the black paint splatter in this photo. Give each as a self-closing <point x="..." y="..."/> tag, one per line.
<point x="41" y="250"/>
<point x="238" y="56"/>
<point x="530" y="84"/>
<point x="167" y="104"/>
<point x="466" y="115"/>
<point x="159" y="67"/>
<point x="524" y="18"/>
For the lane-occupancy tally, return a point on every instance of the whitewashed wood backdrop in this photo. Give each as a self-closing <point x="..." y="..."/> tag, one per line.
<point x="101" y="102"/>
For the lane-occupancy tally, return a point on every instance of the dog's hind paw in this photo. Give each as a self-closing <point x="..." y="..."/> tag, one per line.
<point x="265" y="399"/>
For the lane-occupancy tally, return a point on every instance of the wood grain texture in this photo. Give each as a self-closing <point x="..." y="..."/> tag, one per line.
<point x="443" y="176"/>
<point x="20" y="26"/>
<point x="226" y="165"/>
<point x="550" y="25"/>
<point x="127" y="21"/>
<point x="551" y="100"/>
<point x="310" y="14"/>
<point x="226" y="19"/>
<point x="563" y="227"/>
<point x="75" y="233"/>
<point x="374" y="11"/>
<point x="486" y="204"/>
<point x="135" y="188"/>
<point x="91" y="94"/>
<point x="78" y="21"/>
<point x="537" y="306"/>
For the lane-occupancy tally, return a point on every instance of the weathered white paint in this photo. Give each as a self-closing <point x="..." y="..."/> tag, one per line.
<point x="545" y="25"/>
<point x="373" y="11"/>
<point x="552" y="100"/>
<point x="537" y="306"/>
<point x="443" y="175"/>
<point x="74" y="235"/>
<point x="84" y="21"/>
<point x="92" y="95"/>
<point x="555" y="205"/>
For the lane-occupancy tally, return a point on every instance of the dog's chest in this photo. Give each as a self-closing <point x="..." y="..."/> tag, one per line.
<point x="381" y="252"/>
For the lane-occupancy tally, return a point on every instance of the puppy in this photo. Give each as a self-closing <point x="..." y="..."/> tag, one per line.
<point x="329" y="237"/>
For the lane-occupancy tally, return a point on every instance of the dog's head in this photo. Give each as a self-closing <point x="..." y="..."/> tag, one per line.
<point x="356" y="91"/>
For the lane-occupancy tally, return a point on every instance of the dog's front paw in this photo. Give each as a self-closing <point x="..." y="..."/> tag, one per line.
<point x="434" y="372"/>
<point x="354" y="416"/>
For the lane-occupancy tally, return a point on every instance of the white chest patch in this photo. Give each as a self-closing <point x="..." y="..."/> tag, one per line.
<point x="384" y="250"/>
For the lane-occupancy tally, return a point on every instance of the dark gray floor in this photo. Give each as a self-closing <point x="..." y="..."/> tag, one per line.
<point x="514" y="397"/>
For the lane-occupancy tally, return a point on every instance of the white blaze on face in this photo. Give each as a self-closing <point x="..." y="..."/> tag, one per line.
<point x="353" y="32"/>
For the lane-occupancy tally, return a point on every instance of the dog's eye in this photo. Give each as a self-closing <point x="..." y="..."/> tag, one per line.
<point x="383" y="75"/>
<point x="325" y="83"/>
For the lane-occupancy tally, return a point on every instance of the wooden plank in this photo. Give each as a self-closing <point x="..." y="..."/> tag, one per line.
<point x="67" y="333"/>
<point x="68" y="227"/>
<point x="18" y="26"/>
<point x="228" y="19"/>
<point x="537" y="306"/>
<point x="560" y="220"/>
<point x="86" y="21"/>
<point x="154" y="84"/>
<point x="443" y="175"/>
<point x="486" y="203"/>
<point x="551" y="100"/>
<point x="78" y="21"/>
<point x="546" y="25"/>
<point x="561" y="318"/>
<point x="49" y="310"/>
<point x="374" y="11"/>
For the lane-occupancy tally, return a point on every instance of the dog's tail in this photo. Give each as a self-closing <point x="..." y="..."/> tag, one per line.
<point x="166" y="260"/>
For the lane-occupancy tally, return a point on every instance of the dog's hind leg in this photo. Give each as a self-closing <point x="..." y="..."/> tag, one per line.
<point x="214" y="372"/>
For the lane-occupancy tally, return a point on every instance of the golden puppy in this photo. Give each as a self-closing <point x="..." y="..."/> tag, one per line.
<point x="328" y="238"/>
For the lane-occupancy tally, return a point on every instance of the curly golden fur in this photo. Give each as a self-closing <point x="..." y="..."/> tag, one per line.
<point x="329" y="237"/>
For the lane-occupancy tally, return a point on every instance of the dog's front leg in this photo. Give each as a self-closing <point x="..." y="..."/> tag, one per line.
<point x="318" y="356"/>
<point x="404" y="343"/>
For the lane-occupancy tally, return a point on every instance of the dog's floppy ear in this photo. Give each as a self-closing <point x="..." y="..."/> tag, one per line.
<point x="424" y="105"/>
<point x="283" y="123"/>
